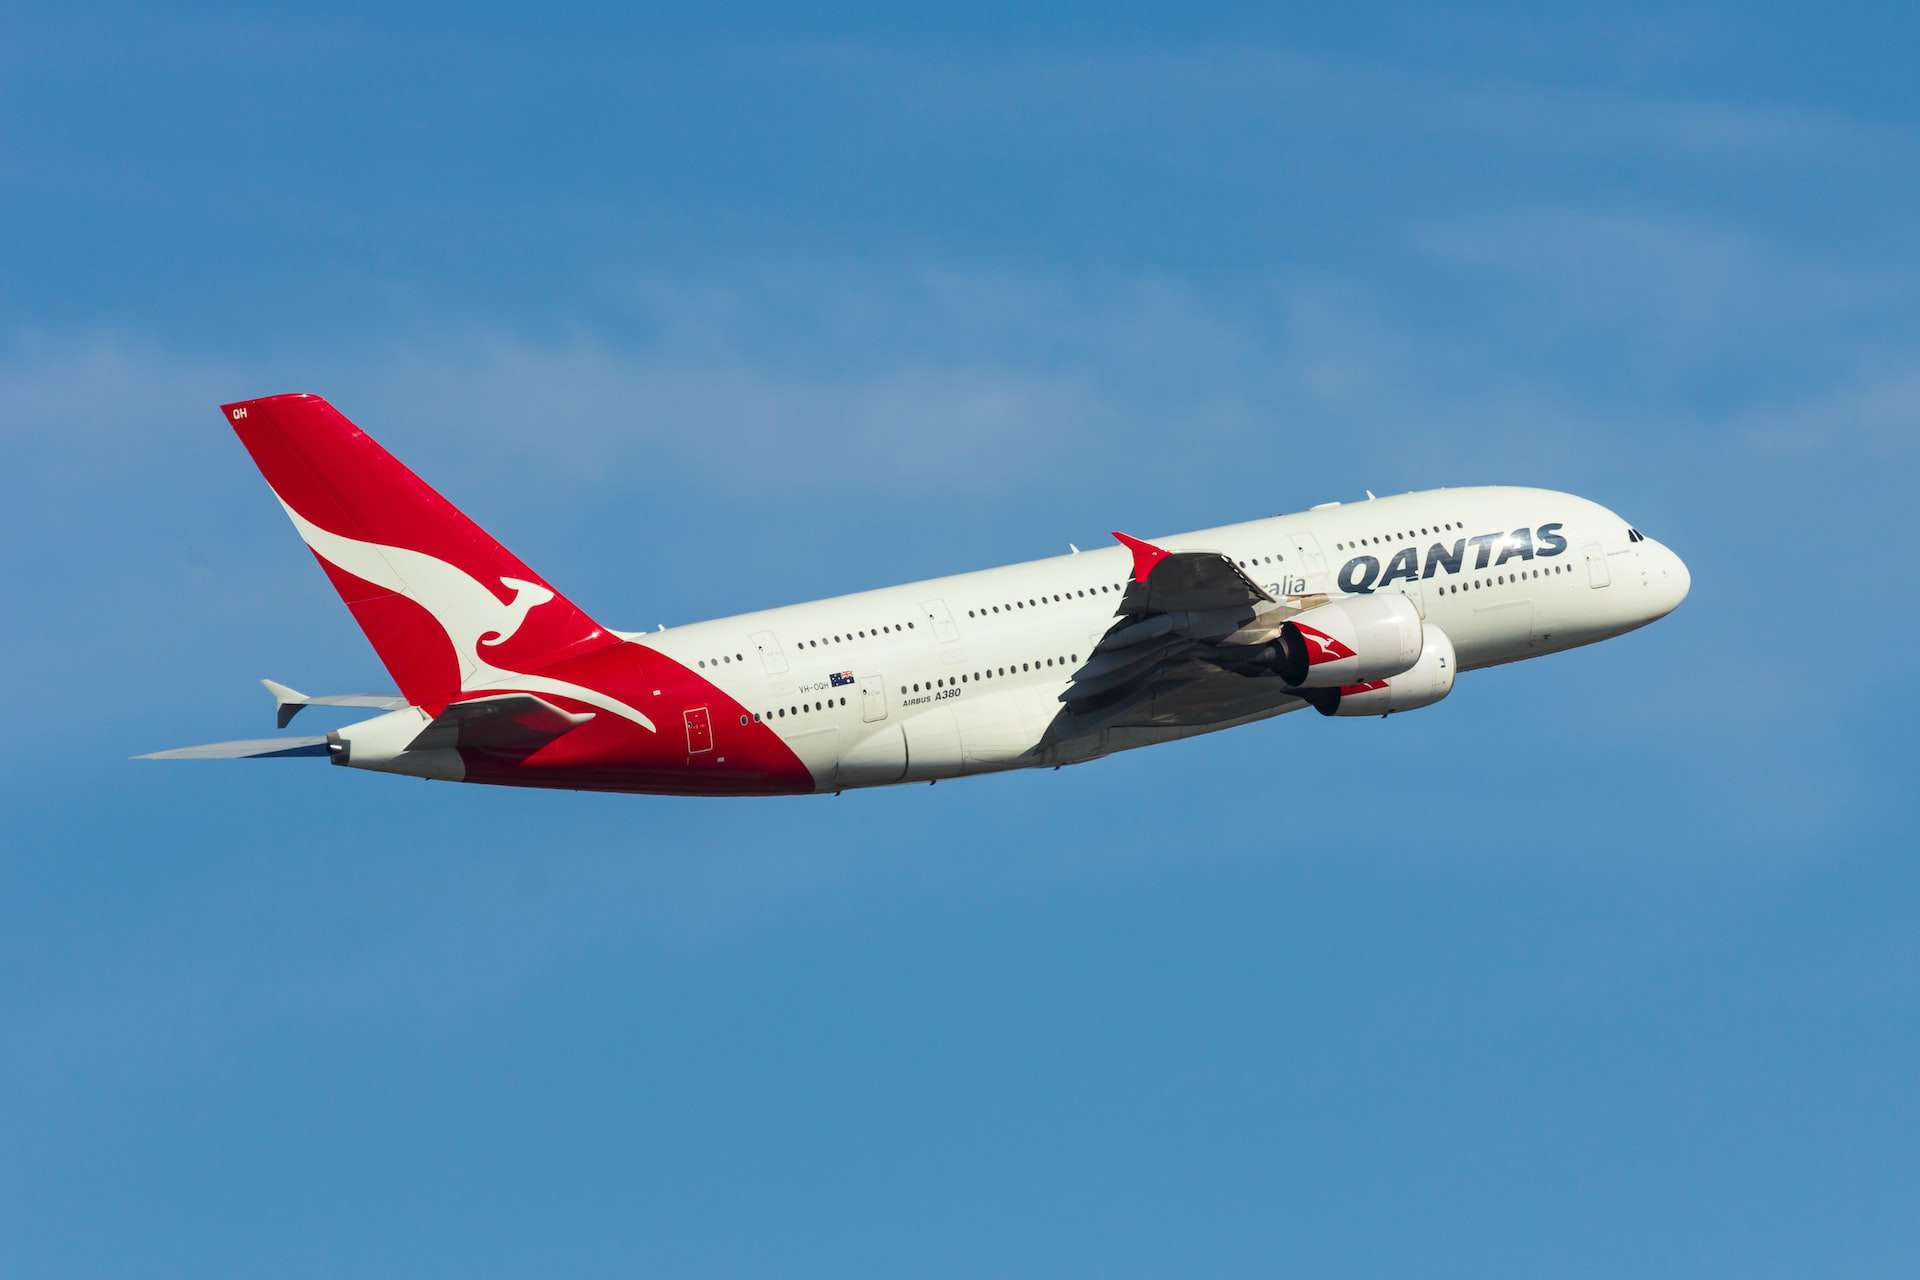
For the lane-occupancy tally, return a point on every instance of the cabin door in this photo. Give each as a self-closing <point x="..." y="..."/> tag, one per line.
<point x="699" y="730"/>
<point x="873" y="699"/>
<point x="1307" y="562"/>
<point x="772" y="660"/>
<point x="940" y="618"/>
<point x="1597" y="573"/>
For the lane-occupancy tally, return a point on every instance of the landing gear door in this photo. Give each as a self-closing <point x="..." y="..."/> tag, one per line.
<point x="772" y="660"/>
<point x="873" y="699"/>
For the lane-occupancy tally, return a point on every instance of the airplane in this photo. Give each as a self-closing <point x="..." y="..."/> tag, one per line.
<point x="1367" y="608"/>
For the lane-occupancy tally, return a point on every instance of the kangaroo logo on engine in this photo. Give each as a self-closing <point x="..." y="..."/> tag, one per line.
<point x="1362" y="573"/>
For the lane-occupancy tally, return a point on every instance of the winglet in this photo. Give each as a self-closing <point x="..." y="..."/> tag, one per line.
<point x="1145" y="555"/>
<point x="286" y="702"/>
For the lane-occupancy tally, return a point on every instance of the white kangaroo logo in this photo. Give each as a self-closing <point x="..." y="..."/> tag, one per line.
<point x="470" y="614"/>
<point x="527" y="596"/>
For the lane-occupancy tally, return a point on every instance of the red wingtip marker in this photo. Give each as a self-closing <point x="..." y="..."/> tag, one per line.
<point x="1145" y="555"/>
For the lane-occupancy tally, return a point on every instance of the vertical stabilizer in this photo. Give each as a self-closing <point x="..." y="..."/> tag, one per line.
<point x="445" y="606"/>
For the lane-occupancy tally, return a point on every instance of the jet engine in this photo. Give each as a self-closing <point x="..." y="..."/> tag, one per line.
<point x="1348" y="642"/>
<point x="1425" y="683"/>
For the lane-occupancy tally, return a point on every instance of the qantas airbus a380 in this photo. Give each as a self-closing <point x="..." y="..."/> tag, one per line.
<point x="1360" y="609"/>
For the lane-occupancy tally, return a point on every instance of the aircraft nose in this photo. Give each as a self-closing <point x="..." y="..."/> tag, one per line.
<point x="1670" y="582"/>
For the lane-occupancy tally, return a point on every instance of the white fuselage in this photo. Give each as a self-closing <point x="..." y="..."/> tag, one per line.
<point x="963" y="674"/>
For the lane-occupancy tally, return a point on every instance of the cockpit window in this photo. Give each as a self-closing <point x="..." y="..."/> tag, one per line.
<point x="1634" y="535"/>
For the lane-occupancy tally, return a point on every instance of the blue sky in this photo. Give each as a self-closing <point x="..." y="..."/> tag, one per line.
<point x="1607" y="964"/>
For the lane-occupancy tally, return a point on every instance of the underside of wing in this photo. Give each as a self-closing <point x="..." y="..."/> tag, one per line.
<point x="1185" y="691"/>
<point x="1188" y="644"/>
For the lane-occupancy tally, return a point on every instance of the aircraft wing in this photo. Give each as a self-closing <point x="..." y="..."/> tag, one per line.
<point x="1182" y="647"/>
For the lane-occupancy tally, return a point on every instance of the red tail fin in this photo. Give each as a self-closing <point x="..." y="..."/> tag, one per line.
<point x="446" y="607"/>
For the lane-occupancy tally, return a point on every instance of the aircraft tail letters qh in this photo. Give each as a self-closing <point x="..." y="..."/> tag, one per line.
<point x="445" y="606"/>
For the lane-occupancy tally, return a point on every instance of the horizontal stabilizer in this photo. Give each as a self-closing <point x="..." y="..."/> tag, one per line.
<point x="288" y="702"/>
<point x="508" y="722"/>
<point x="252" y="749"/>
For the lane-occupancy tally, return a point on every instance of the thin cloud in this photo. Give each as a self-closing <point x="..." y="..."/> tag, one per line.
<point x="1167" y="88"/>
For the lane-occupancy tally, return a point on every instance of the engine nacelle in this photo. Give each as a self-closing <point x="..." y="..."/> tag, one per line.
<point x="1425" y="683"/>
<point x="1349" y="642"/>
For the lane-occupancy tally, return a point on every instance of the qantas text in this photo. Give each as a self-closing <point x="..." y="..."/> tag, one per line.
<point x="1362" y="573"/>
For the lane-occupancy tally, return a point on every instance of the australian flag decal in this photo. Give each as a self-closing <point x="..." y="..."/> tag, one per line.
<point x="841" y="677"/>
